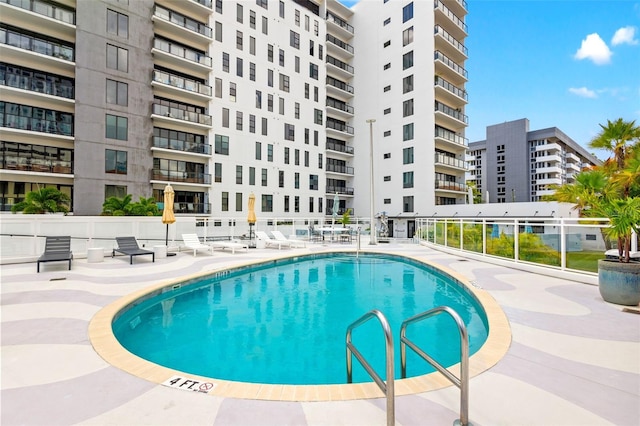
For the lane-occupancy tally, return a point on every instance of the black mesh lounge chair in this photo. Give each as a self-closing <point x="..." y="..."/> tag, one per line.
<point x="56" y="249"/>
<point x="129" y="246"/>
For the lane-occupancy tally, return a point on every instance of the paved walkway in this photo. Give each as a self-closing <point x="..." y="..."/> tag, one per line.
<point x="573" y="360"/>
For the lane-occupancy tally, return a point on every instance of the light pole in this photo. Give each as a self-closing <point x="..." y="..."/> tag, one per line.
<point x="372" y="226"/>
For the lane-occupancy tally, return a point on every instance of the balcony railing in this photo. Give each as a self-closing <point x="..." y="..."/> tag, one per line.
<point x="451" y="136"/>
<point x="439" y="81"/>
<point x="209" y="3"/>
<point x="450" y="161"/>
<point x="338" y="63"/>
<point x="339" y="21"/>
<point x="46" y="121"/>
<point x="438" y="30"/>
<point x="342" y="106"/>
<point x="339" y="84"/>
<point x="192" y="208"/>
<point x="182" y="52"/>
<point x="180" y="114"/>
<point x="49" y="86"/>
<point x="46" y="9"/>
<point x="336" y="125"/>
<point x="180" y="145"/>
<point x="341" y="44"/>
<point x="183" y="21"/>
<point x="451" y="64"/>
<point x="438" y="4"/>
<point x="439" y="106"/>
<point x="177" y="176"/>
<point x="182" y="83"/>
<point x="450" y="186"/>
<point x="339" y="169"/>
<point x="37" y="165"/>
<point x="340" y="190"/>
<point x="339" y="147"/>
<point x="37" y="45"/>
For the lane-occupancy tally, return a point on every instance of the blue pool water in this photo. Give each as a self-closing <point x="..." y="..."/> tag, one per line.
<point x="285" y="322"/>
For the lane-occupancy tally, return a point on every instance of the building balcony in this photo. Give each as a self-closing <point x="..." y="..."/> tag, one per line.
<point x="182" y="146"/>
<point x="551" y="146"/>
<point x="180" y="58"/>
<point x="177" y="176"/>
<point x="172" y="115"/>
<point x="339" y="48"/>
<point x="36" y="53"/>
<point x="448" y="45"/>
<point x="449" y="20"/>
<point x="19" y="164"/>
<point x="37" y="15"/>
<point x="338" y="128"/>
<point x="443" y="185"/>
<point x="181" y="28"/>
<point x="549" y="181"/>
<point x="338" y="147"/>
<point x="449" y="117"/>
<point x="339" y="68"/>
<point x="573" y="167"/>
<point x="450" y="141"/>
<point x="339" y="169"/>
<point x="338" y="108"/>
<point x="192" y="208"/>
<point x="570" y="156"/>
<point x="37" y="92"/>
<point x="339" y="26"/>
<point x="448" y="68"/>
<point x="548" y="170"/>
<point x="450" y="162"/>
<point x="449" y="93"/>
<point x="180" y="88"/>
<point x="340" y="190"/>
<point x="338" y="89"/>
<point x="549" y="158"/>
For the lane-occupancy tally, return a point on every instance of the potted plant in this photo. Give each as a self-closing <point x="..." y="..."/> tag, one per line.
<point x="612" y="191"/>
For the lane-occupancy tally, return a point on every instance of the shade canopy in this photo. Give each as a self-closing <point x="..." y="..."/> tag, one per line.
<point x="336" y="206"/>
<point x="167" y="212"/>
<point x="251" y="218"/>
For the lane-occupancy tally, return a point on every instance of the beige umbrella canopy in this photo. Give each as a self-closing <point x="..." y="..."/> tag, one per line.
<point x="251" y="218"/>
<point x="167" y="212"/>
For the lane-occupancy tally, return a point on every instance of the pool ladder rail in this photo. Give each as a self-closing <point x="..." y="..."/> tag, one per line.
<point x="389" y="388"/>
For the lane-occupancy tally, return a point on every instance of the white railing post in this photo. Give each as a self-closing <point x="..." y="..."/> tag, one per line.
<point x="484" y="236"/>
<point x="516" y="240"/>
<point x="563" y="246"/>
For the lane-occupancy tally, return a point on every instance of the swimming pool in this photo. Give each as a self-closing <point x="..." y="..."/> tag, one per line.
<point x="284" y="322"/>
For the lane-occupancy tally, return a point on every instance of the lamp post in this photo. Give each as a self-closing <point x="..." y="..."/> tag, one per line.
<point x="371" y="203"/>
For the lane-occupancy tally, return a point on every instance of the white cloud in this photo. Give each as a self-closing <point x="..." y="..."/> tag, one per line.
<point x="583" y="92"/>
<point x="624" y="35"/>
<point x="595" y="49"/>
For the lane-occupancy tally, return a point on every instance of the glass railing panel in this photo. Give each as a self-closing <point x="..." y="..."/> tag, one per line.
<point x="339" y="21"/>
<point x="340" y="43"/>
<point x="180" y="145"/>
<point x="438" y="4"/>
<point x="499" y="243"/>
<point x="451" y="64"/>
<point x="339" y="84"/>
<point x="439" y="81"/>
<point x="450" y="136"/>
<point x="37" y="45"/>
<point x="180" y="176"/>
<point x="181" y="114"/>
<point x="61" y="89"/>
<point x="439" y="106"/>
<point x="338" y="63"/>
<point x="181" y="83"/>
<point x="340" y="147"/>
<point x="450" y="161"/>
<point x="46" y="9"/>
<point x="183" y="21"/>
<point x="339" y="105"/>
<point x="455" y="43"/>
<point x="182" y="52"/>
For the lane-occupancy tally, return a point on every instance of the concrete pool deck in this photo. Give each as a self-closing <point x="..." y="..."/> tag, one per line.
<point x="573" y="359"/>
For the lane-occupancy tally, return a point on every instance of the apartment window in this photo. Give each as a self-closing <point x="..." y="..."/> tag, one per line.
<point x="270" y="152"/>
<point x="306" y="90"/>
<point x="320" y="51"/>
<point x="218" y="31"/>
<point x="239" y="175"/>
<point x="386" y="155"/>
<point x="407" y="204"/>
<point x="282" y="9"/>
<point x="239" y="40"/>
<point x="313" y="71"/>
<point x="386" y="88"/>
<point x="297" y="18"/>
<point x="386" y="179"/>
<point x="297" y="63"/>
<point x="258" y="150"/>
<point x="315" y="137"/>
<point x="267" y="200"/>
<point x="407" y="180"/>
<point x="289" y="132"/>
<point x="221" y="145"/>
<point x="217" y="172"/>
<point x="294" y="39"/>
<point x="225" y="117"/>
<point x="407" y="155"/>
<point x="270" y="78"/>
<point x="286" y="155"/>
<point x="239" y="13"/>
<point x="117" y="92"/>
<point x="239" y="201"/>
<point x="232" y="92"/>
<point x="296" y="204"/>
<point x="317" y="116"/>
<point x="252" y="175"/>
<point x="316" y="27"/>
<point x="320" y="161"/>
<point x="286" y="203"/>
<point x="386" y="22"/>
<point x="386" y="43"/>
<point x="252" y="19"/>
<point x="407" y="36"/>
<point x="117" y="23"/>
<point x="252" y="71"/>
<point x="115" y="162"/>
<point x="407" y="84"/>
<point x="281" y="57"/>
<point x="252" y="45"/>
<point x="306" y="136"/>
<point x="258" y="99"/>
<point x="306" y="22"/>
<point x="270" y="52"/>
<point x="281" y="179"/>
<point x="284" y="82"/>
<point x="296" y="157"/>
<point x="320" y="204"/>
<point x="313" y="184"/>
<point x="225" y="62"/>
<point x="117" y="58"/>
<point x="281" y="106"/>
<point x="387" y="111"/>
<point x="387" y="133"/>
<point x="296" y="111"/>
<point x="116" y="127"/>
<point x="407" y="132"/>
<point x="296" y="180"/>
<point x="310" y="204"/>
<point x="386" y="66"/>
<point x="407" y="108"/>
<point x="219" y="6"/>
<point x="264" y="126"/>
<point x="315" y="93"/>
<point x="407" y="60"/>
<point x="265" y="25"/>
<point x="311" y="46"/>
<point x="218" y="84"/>
<point x="264" y="177"/>
<point x="252" y="123"/>
<point x="238" y="120"/>
<point x="119" y="191"/>
<point x="387" y="201"/>
<point x="407" y="12"/>
<point x="306" y="158"/>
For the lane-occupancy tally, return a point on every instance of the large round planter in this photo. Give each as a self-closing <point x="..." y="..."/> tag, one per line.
<point x="619" y="282"/>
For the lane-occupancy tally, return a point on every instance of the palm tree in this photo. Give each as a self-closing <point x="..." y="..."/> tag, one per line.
<point x="144" y="207"/>
<point x="44" y="200"/>
<point x="114" y="206"/>
<point x="618" y="137"/>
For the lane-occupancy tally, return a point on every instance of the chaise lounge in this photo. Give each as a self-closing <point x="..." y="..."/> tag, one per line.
<point x="229" y="245"/>
<point x="129" y="246"/>
<point x="269" y="242"/>
<point x="56" y="249"/>
<point x="279" y="236"/>
<point x="192" y="242"/>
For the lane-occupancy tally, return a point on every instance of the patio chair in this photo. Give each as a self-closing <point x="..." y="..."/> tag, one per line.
<point x="314" y="235"/>
<point x="192" y="242"/>
<point x="278" y="236"/>
<point x="129" y="246"/>
<point x="229" y="245"/>
<point x="56" y="249"/>
<point x="269" y="242"/>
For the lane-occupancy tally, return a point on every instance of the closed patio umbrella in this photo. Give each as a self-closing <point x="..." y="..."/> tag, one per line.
<point x="167" y="212"/>
<point x="334" y="210"/>
<point x="251" y="218"/>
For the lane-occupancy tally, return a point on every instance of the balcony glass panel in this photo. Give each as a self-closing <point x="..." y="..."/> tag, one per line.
<point x="338" y="63"/>
<point x="46" y="9"/>
<point x="443" y="133"/>
<point x="439" y="106"/>
<point x="339" y="84"/>
<point x="36" y="81"/>
<point x="180" y="114"/>
<point x="339" y="21"/>
<point x="36" y="44"/>
<point x="182" y="52"/>
<point x="183" y="21"/>
<point x="181" y="82"/>
<point x="451" y="64"/>
<point x="25" y="117"/>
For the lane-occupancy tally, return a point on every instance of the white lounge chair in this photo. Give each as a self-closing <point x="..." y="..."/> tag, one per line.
<point x="269" y="242"/>
<point x="279" y="236"/>
<point x="229" y="245"/>
<point x="192" y="242"/>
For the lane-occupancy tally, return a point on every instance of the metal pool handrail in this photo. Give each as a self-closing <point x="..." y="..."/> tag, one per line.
<point x="388" y="388"/>
<point x="463" y="382"/>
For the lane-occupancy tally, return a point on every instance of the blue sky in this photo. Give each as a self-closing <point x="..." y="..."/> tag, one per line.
<point x="564" y="63"/>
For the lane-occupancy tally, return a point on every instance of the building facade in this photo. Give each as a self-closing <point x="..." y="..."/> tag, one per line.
<point x="517" y="165"/>
<point x="222" y="99"/>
